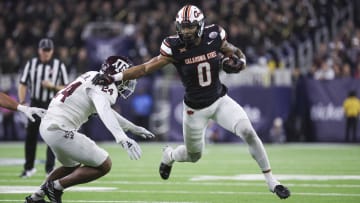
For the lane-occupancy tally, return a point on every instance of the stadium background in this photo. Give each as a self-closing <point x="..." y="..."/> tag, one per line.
<point x="290" y="46"/>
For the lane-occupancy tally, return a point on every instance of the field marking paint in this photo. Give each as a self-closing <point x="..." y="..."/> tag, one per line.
<point x="105" y="201"/>
<point x="234" y="193"/>
<point x="251" y="177"/>
<point x="30" y="189"/>
<point x="244" y="184"/>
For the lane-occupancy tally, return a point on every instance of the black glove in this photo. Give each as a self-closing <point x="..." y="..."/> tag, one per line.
<point x="102" y="79"/>
<point x="232" y="64"/>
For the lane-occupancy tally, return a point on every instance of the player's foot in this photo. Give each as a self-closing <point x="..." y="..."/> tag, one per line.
<point x="166" y="163"/>
<point x="28" y="173"/>
<point x="281" y="191"/>
<point x="53" y="194"/>
<point x="28" y="199"/>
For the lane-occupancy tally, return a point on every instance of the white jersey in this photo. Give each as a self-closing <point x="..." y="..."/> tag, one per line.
<point x="72" y="106"/>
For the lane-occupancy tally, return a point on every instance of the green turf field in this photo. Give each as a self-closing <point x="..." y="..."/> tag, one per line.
<point x="315" y="173"/>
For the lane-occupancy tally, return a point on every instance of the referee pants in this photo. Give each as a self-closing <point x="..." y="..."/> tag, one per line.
<point x="31" y="142"/>
<point x="351" y="127"/>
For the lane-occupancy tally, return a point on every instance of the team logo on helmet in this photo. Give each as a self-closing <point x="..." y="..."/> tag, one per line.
<point x="116" y="64"/>
<point x="190" y="16"/>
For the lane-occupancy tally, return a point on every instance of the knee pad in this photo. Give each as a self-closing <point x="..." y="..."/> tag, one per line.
<point x="194" y="157"/>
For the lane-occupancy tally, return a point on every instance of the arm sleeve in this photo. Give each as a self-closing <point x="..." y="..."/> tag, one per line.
<point x="106" y="114"/>
<point x="124" y="123"/>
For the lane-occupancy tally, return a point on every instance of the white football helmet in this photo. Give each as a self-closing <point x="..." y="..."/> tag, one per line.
<point x="190" y="16"/>
<point x="116" y="64"/>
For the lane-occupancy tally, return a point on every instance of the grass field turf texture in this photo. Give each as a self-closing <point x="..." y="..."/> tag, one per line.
<point x="225" y="174"/>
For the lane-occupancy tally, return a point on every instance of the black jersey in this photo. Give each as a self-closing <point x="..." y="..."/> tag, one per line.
<point x="198" y="66"/>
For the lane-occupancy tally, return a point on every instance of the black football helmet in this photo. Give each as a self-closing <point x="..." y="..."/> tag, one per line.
<point x="191" y="17"/>
<point x="116" y="64"/>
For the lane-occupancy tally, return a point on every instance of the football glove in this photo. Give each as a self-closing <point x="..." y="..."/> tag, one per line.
<point x="142" y="132"/>
<point x="30" y="111"/>
<point x="102" y="79"/>
<point x="132" y="148"/>
<point x="233" y="64"/>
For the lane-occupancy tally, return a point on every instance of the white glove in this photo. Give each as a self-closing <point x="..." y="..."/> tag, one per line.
<point x="132" y="148"/>
<point x="30" y="111"/>
<point x="142" y="132"/>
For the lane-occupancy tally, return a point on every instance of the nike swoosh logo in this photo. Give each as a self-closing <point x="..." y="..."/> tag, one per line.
<point x="210" y="42"/>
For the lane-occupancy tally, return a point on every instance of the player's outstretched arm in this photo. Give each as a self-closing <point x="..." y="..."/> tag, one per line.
<point x="131" y="127"/>
<point x="133" y="72"/>
<point x="104" y="110"/>
<point x="9" y="103"/>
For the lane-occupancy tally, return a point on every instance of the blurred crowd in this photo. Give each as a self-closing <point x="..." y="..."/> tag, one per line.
<point x="256" y="26"/>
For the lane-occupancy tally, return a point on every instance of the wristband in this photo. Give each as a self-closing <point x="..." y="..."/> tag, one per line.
<point x="118" y="76"/>
<point x="21" y="108"/>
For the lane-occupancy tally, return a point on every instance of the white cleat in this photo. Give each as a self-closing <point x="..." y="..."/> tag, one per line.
<point x="28" y="173"/>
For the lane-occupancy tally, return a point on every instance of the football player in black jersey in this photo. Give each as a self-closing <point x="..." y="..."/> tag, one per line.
<point x="196" y="52"/>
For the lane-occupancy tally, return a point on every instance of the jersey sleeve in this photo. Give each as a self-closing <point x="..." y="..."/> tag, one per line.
<point x="106" y="114"/>
<point x="64" y="74"/>
<point x="25" y="74"/>
<point x="165" y="48"/>
<point x="109" y="92"/>
<point x="223" y="34"/>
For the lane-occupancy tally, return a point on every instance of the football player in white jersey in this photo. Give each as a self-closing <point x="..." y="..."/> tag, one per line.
<point x="9" y="103"/>
<point x="196" y="52"/>
<point x="82" y="160"/>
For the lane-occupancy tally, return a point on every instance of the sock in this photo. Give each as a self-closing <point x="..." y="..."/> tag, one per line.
<point x="256" y="148"/>
<point x="38" y="195"/>
<point x="180" y="154"/>
<point x="57" y="185"/>
<point x="270" y="180"/>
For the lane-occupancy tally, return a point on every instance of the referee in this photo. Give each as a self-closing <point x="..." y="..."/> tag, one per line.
<point x="43" y="76"/>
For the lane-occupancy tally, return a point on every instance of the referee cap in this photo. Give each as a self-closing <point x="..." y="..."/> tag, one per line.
<point x="46" y="44"/>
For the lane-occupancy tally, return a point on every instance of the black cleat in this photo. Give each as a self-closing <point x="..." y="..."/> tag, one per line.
<point x="164" y="171"/>
<point x="281" y="191"/>
<point x="53" y="194"/>
<point x="28" y="199"/>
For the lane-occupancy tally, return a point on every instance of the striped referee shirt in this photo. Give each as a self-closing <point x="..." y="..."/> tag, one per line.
<point x="35" y="72"/>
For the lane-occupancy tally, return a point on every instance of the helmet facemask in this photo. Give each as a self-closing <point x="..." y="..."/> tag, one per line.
<point x="189" y="38"/>
<point x="126" y="88"/>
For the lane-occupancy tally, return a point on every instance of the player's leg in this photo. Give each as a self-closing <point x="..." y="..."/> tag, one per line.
<point x="194" y="126"/>
<point x="77" y="148"/>
<point x="39" y="194"/>
<point x="50" y="161"/>
<point x="232" y="117"/>
<point x="30" y="148"/>
<point x="72" y="148"/>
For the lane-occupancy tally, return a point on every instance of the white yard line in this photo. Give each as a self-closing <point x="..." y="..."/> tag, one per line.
<point x="7" y="189"/>
<point x="12" y="189"/>
<point x="251" y="177"/>
<point x="100" y="201"/>
<point x="203" y="183"/>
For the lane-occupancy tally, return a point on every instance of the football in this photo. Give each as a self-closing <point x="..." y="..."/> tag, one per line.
<point x="232" y="64"/>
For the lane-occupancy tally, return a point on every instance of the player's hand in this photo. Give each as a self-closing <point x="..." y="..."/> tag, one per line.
<point x="30" y="111"/>
<point x="142" y="132"/>
<point x="132" y="148"/>
<point x="102" y="79"/>
<point x="233" y="64"/>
